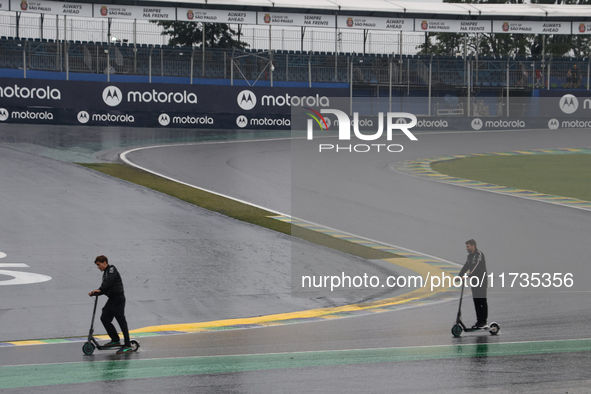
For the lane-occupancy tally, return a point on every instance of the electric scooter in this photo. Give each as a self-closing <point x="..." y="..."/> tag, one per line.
<point x="457" y="329"/>
<point x="91" y="343"/>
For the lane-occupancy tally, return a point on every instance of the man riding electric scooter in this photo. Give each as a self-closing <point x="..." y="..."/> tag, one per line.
<point x="476" y="267"/>
<point x="112" y="287"/>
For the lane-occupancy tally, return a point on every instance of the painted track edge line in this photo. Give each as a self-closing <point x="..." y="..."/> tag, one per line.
<point x="128" y="161"/>
<point x="397" y="167"/>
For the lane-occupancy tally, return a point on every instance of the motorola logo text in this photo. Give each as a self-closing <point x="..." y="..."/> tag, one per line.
<point x="162" y="97"/>
<point x="568" y="104"/>
<point x="122" y="118"/>
<point x="270" y="122"/>
<point x="247" y="100"/>
<point x="112" y="96"/>
<point x="192" y="120"/>
<point x="478" y="124"/>
<point x="295" y="101"/>
<point x="16" y="91"/>
<point x="44" y="115"/>
<point x="575" y="124"/>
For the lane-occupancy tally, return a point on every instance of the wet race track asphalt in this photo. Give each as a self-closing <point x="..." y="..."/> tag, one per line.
<point x="182" y="264"/>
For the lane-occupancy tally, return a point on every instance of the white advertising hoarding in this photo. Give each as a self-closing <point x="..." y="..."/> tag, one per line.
<point x="289" y="19"/>
<point x="375" y="23"/>
<point x="581" y="28"/>
<point x="529" y="27"/>
<point x="50" y="7"/>
<point x="452" y="26"/>
<point x="134" y="12"/>
<point x="216" y="16"/>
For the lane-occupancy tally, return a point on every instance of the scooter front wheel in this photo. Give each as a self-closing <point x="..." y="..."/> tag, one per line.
<point x="456" y="330"/>
<point x="135" y="345"/>
<point x="88" y="348"/>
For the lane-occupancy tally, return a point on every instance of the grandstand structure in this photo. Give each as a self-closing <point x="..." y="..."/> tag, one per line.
<point x="367" y="74"/>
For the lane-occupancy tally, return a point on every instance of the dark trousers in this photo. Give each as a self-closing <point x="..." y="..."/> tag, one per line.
<point x="115" y="308"/>
<point x="481" y="307"/>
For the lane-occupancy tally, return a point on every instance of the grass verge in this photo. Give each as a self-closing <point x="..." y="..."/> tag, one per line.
<point x="561" y="175"/>
<point x="233" y="209"/>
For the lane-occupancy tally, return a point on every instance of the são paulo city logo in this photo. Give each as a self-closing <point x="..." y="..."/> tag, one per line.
<point x="344" y="124"/>
<point x="247" y="100"/>
<point x="112" y="96"/>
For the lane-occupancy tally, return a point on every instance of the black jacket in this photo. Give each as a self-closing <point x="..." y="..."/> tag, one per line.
<point x="112" y="285"/>
<point x="476" y="266"/>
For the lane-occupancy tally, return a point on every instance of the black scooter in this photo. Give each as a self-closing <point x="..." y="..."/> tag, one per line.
<point x="457" y="329"/>
<point x="91" y="344"/>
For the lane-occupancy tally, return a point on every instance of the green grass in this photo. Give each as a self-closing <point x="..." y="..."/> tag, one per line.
<point x="566" y="175"/>
<point x="234" y="209"/>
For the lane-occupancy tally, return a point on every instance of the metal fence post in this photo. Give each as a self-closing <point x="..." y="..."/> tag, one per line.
<point x="310" y="70"/>
<point x="203" y="50"/>
<point x="108" y="65"/>
<point x="67" y="56"/>
<point x="549" y="67"/>
<point x="25" y="60"/>
<point x="469" y="86"/>
<point x="508" y="83"/>
<point x="390" y="85"/>
<point x="430" y="79"/>
<point x="271" y="66"/>
<point x="588" y="69"/>
<point x="351" y="89"/>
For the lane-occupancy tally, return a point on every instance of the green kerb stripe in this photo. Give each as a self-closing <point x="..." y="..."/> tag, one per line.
<point x="85" y="372"/>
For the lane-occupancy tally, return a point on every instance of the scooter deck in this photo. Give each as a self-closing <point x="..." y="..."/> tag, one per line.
<point x="470" y="329"/>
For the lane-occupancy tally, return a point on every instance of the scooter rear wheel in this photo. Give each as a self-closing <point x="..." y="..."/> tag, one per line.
<point x="135" y="345"/>
<point x="88" y="348"/>
<point x="494" y="329"/>
<point x="456" y="330"/>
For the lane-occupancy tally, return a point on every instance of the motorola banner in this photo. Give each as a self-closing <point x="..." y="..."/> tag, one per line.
<point x="157" y="119"/>
<point x="234" y="121"/>
<point x="143" y="97"/>
<point x="371" y="124"/>
<point x="572" y="104"/>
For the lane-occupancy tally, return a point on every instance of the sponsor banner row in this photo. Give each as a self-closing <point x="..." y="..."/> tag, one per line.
<point x="292" y="19"/>
<point x="88" y="117"/>
<point x="369" y="125"/>
<point x="487" y="124"/>
<point x="231" y="121"/>
<point x="162" y="97"/>
<point x="559" y="104"/>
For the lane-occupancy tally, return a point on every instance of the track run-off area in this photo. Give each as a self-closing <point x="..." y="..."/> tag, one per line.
<point x="541" y="346"/>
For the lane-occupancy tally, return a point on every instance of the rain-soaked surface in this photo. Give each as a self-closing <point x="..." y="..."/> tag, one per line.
<point x="184" y="264"/>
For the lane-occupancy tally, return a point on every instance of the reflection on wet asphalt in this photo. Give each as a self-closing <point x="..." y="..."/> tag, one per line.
<point x="58" y="223"/>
